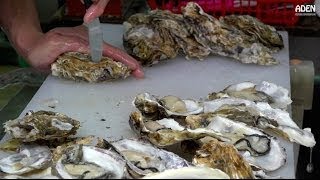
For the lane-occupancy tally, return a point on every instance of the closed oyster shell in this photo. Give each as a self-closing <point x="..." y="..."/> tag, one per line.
<point x="42" y="125"/>
<point x="223" y="156"/>
<point x="78" y="67"/>
<point x="161" y="34"/>
<point x="149" y="44"/>
<point x="258" y="31"/>
<point x="223" y="40"/>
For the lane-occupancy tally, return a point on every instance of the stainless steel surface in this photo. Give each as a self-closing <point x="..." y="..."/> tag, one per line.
<point x="95" y="40"/>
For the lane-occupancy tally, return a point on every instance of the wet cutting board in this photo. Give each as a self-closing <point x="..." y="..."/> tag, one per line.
<point x="103" y="109"/>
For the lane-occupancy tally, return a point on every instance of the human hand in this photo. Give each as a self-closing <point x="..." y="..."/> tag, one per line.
<point x="60" y="40"/>
<point x="95" y="10"/>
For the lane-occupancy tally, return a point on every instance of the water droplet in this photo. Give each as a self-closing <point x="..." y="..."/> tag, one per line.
<point x="310" y="167"/>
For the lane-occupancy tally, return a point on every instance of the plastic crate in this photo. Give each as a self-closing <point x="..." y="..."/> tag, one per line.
<point x="75" y="8"/>
<point x="273" y="12"/>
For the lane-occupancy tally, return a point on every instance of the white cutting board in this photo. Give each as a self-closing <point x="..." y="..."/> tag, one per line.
<point x="112" y="101"/>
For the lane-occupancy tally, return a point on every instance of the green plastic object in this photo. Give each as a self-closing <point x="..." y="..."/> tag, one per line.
<point x="22" y="62"/>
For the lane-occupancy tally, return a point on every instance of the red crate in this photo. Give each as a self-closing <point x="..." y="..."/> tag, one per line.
<point x="273" y="12"/>
<point x="75" y="8"/>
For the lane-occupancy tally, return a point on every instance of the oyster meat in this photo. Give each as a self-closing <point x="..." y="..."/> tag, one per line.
<point x="30" y="158"/>
<point x="225" y="157"/>
<point x="276" y="96"/>
<point x="89" y="162"/>
<point x="263" y="116"/>
<point x="160" y="35"/>
<point x="166" y="132"/>
<point x="143" y="158"/>
<point x="155" y="108"/>
<point x="78" y="67"/>
<point x="42" y="125"/>
<point x="189" y="173"/>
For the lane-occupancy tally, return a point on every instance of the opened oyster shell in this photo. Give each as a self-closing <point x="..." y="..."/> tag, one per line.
<point x="42" y="125"/>
<point x="189" y="173"/>
<point x="84" y="162"/>
<point x="143" y="158"/>
<point x="167" y="132"/>
<point x="225" y="157"/>
<point x="30" y="158"/>
<point x="155" y="108"/>
<point x="263" y="116"/>
<point x="78" y="67"/>
<point x="276" y="96"/>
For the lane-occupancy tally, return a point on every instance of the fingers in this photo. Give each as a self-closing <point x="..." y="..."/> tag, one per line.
<point x="138" y="73"/>
<point x="121" y="56"/>
<point x="45" y="52"/>
<point x="95" y="10"/>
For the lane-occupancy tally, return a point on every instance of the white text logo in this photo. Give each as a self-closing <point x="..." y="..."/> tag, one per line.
<point x="305" y="10"/>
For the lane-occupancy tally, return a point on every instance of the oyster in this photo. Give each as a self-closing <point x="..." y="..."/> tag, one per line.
<point x="189" y="173"/>
<point x="154" y="108"/>
<point x="167" y="132"/>
<point x="42" y="174"/>
<point x="263" y="116"/>
<point x="78" y="66"/>
<point x="30" y="158"/>
<point x="225" y="157"/>
<point x="223" y="40"/>
<point x="276" y="96"/>
<point x="42" y="125"/>
<point x="143" y="158"/>
<point x="86" y="162"/>
<point x="258" y="31"/>
<point x="160" y="35"/>
<point x="149" y="44"/>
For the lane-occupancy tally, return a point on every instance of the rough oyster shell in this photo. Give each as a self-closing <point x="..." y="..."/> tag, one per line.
<point x="189" y="173"/>
<point x="30" y="158"/>
<point x="276" y="96"/>
<point x="149" y="44"/>
<point x="42" y="125"/>
<point x="258" y="31"/>
<point x="225" y="157"/>
<point x="82" y="161"/>
<point x="223" y="40"/>
<point x="161" y="34"/>
<point x="143" y="158"/>
<point x="78" y="67"/>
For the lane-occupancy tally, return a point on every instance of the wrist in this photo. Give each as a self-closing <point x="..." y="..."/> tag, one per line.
<point x="23" y="41"/>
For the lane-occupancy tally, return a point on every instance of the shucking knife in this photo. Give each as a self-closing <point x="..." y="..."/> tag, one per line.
<point x="95" y="36"/>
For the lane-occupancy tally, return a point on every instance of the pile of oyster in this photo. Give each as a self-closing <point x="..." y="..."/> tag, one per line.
<point x="79" y="67"/>
<point x="161" y="35"/>
<point x="236" y="130"/>
<point x="42" y="147"/>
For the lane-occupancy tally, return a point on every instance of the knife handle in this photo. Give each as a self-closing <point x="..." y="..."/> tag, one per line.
<point x="87" y="3"/>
